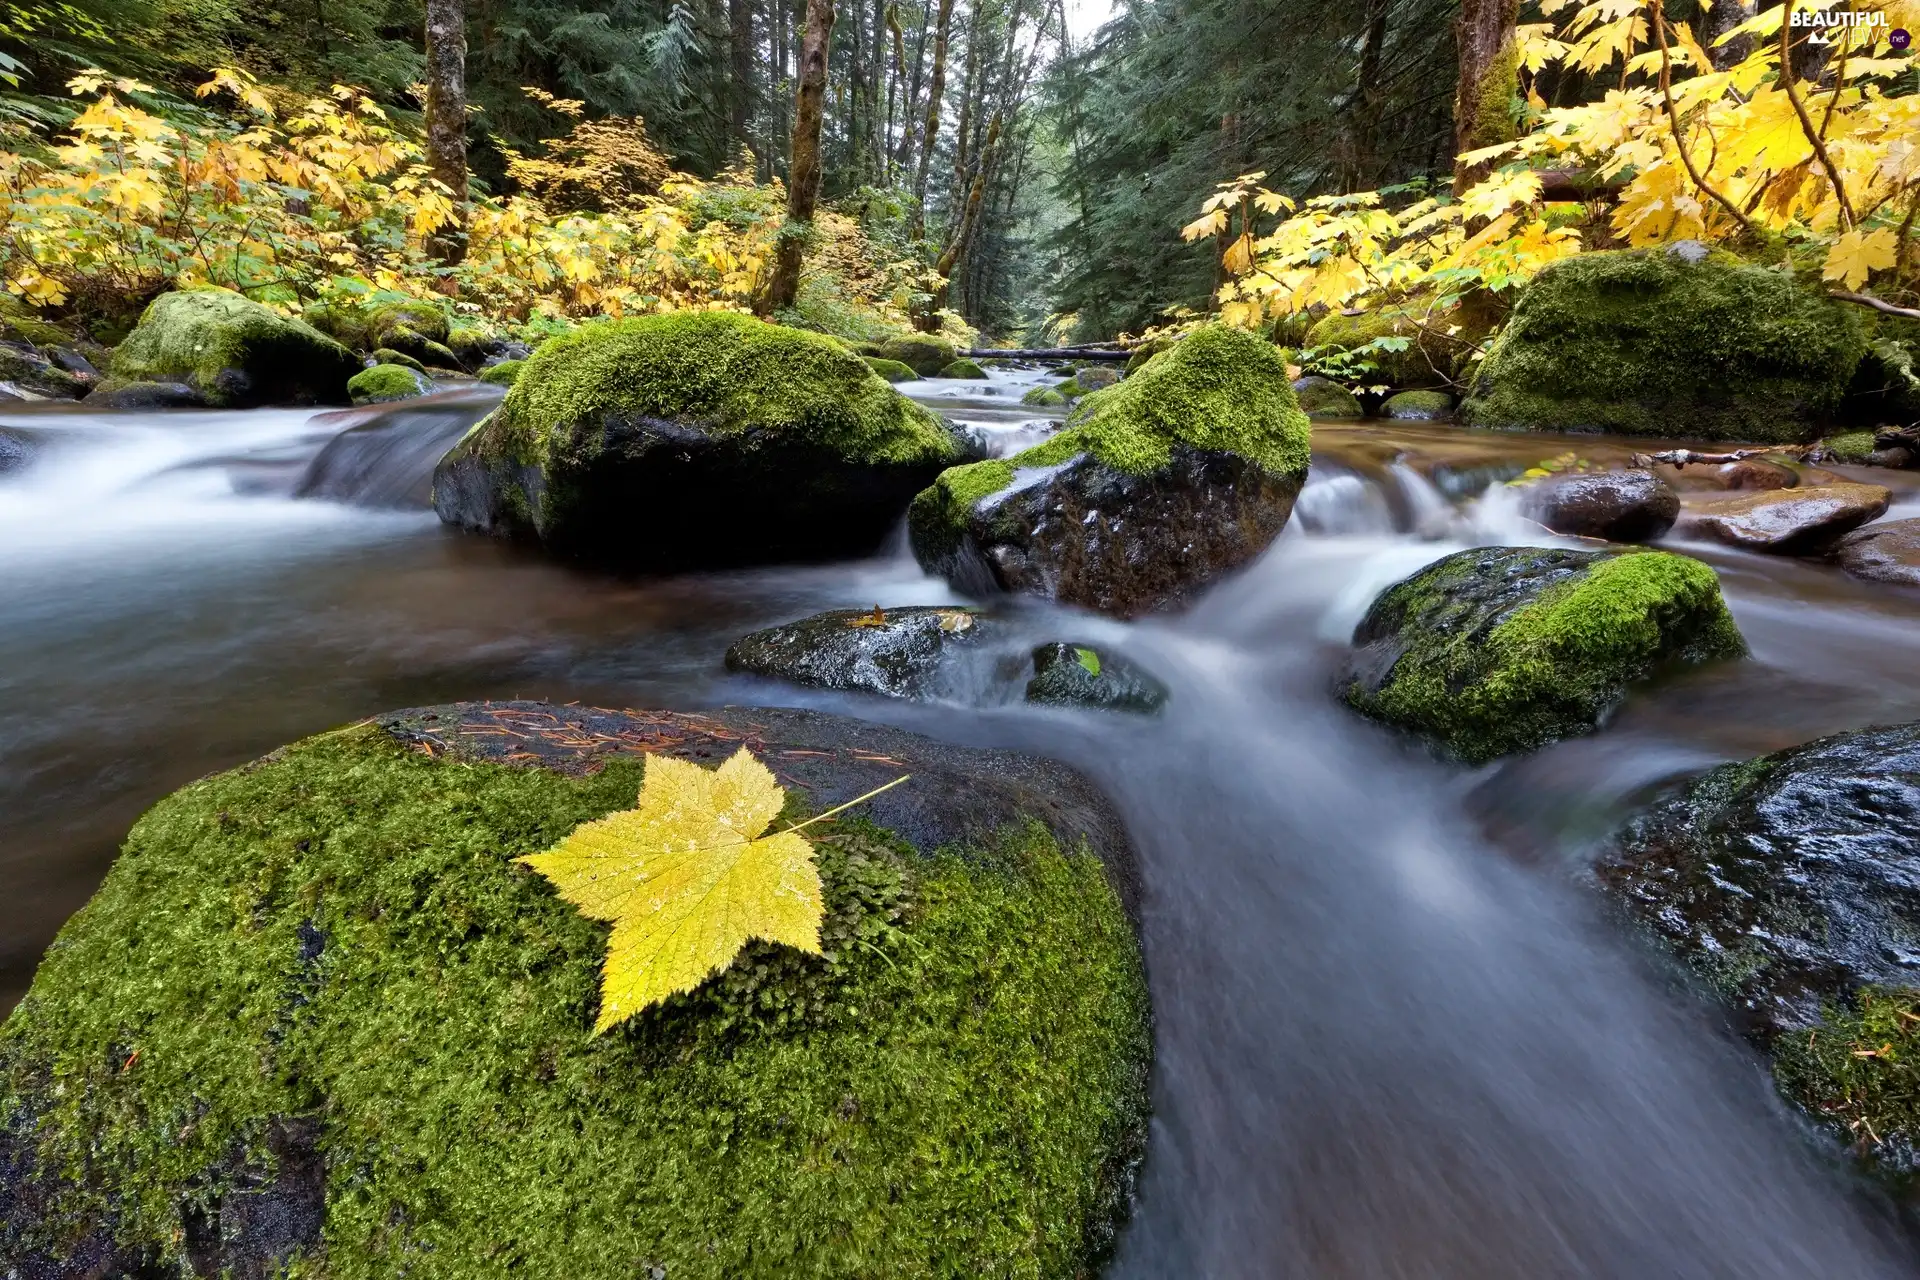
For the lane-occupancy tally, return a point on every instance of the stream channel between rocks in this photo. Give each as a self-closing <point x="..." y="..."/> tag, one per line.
<point x="1396" y="1036"/>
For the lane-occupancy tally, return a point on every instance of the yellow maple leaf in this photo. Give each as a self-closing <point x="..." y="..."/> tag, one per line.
<point x="688" y="878"/>
<point x="1858" y="254"/>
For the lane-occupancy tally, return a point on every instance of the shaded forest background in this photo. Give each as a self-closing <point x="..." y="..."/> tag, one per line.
<point x="1090" y="151"/>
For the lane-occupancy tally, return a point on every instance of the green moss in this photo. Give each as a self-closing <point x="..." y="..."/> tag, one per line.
<point x="387" y="355"/>
<point x="1069" y="390"/>
<point x="504" y="374"/>
<point x="963" y="368"/>
<point x="1646" y="343"/>
<point x="1146" y="351"/>
<point x="891" y="370"/>
<point x="1859" y="1071"/>
<point x="1417" y="405"/>
<point x="937" y="520"/>
<point x="1325" y="398"/>
<point x="1852" y="446"/>
<point x="925" y="354"/>
<point x="1493" y="105"/>
<point x="1549" y="668"/>
<point x="44" y="379"/>
<point x="21" y="323"/>
<point x="387" y="382"/>
<point x="1426" y="361"/>
<point x="1043" y="398"/>
<point x="723" y="372"/>
<point x="422" y="318"/>
<point x="233" y="351"/>
<point x="1219" y="389"/>
<point x="951" y="1090"/>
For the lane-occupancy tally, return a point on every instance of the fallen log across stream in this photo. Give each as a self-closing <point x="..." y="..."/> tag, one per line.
<point x="1045" y="353"/>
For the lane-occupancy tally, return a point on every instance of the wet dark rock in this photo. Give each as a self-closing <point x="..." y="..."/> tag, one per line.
<point x="1503" y="649"/>
<point x="71" y="360"/>
<point x="1787" y="881"/>
<point x="1747" y="473"/>
<point x="387" y="462"/>
<point x="1799" y="521"/>
<point x="1887" y="552"/>
<point x="1088" y="534"/>
<point x="1619" y="506"/>
<point x="115" y="394"/>
<point x="901" y="653"/>
<point x="1075" y="675"/>
<point x="27" y="370"/>
<point x="15" y="452"/>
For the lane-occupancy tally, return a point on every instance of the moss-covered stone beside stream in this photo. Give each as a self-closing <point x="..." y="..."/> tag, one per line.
<point x="334" y="941"/>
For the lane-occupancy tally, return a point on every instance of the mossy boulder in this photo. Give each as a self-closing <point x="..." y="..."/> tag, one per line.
<point x="385" y="383"/>
<point x="387" y="355"/>
<point x="233" y="352"/>
<point x="1498" y="650"/>
<point x="317" y="1011"/>
<point x="1146" y="351"/>
<point x="504" y="374"/>
<point x="1426" y="359"/>
<point x="1080" y="675"/>
<point x="891" y="370"/>
<point x="1156" y="486"/>
<point x="698" y="438"/>
<point x="25" y="372"/>
<point x="1096" y="377"/>
<point x="913" y="652"/>
<point x="1324" y="398"/>
<point x="1417" y="406"/>
<point x="1790" y="884"/>
<point x="1043" y="398"/>
<point x="963" y="368"/>
<point x="1652" y="342"/>
<point x="924" y="354"/>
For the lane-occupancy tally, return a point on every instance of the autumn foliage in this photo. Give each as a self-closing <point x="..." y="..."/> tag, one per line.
<point x="1821" y="169"/>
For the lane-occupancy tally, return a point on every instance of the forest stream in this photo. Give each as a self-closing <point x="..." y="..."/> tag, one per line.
<point x="1396" y="1034"/>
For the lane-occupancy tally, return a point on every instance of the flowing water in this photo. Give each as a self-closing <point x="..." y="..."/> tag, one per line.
<point x="1396" y="1037"/>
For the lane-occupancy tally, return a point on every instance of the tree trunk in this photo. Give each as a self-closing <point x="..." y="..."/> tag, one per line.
<point x="1716" y="22"/>
<point x="740" y="77"/>
<point x="969" y="215"/>
<point x="936" y="87"/>
<point x="803" y="182"/>
<point x="447" y="117"/>
<point x="1489" y="78"/>
<point x="1360" y="142"/>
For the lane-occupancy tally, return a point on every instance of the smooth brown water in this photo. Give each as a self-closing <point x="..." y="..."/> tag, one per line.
<point x="1395" y="1037"/>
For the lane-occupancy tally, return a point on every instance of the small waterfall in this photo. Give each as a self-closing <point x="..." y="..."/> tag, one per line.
<point x="1339" y="503"/>
<point x="386" y="458"/>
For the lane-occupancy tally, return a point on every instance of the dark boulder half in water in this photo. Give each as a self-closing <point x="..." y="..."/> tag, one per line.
<point x="901" y="653"/>
<point x="318" y="1005"/>
<point x="1502" y="649"/>
<point x="1078" y="675"/>
<point x="1887" y="552"/>
<point x="1803" y="520"/>
<point x="1619" y="506"/>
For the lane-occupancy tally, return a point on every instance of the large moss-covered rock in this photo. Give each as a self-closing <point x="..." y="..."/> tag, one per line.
<point x="1663" y="343"/>
<point x="1503" y="649"/>
<point x="912" y="652"/>
<point x="385" y="383"/>
<point x="700" y="438"/>
<point x="233" y="352"/>
<point x="316" y="1010"/>
<point x="961" y="368"/>
<point x="1427" y="358"/>
<point x="925" y="354"/>
<point x="1156" y="486"/>
<point x="1324" y="398"/>
<point x="1791" y="885"/>
<point x="891" y="370"/>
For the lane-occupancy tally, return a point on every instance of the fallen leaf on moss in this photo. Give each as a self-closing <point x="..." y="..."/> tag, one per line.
<point x="688" y="878"/>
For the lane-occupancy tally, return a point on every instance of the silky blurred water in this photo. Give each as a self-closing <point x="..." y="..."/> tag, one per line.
<point x="1395" y="1036"/>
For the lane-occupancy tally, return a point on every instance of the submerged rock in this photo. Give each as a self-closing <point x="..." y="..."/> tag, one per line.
<point x="1887" y="552"/>
<point x="316" y="999"/>
<point x="1651" y="342"/>
<point x="1155" y="488"/>
<point x="902" y="653"/>
<point x="1720" y="477"/>
<point x="1418" y="406"/>
<point x="115" y="394"/>
<point x="1797" y="521"/>
<point x="1619" y="506"/>
<point x="233" y="353"/>
<point x="695" y="439"/>
<point x="1078" y="675"/>
<point x="385" y="383"/>
<point x="1324" y="398"/>
<point x="1503" y="649"/>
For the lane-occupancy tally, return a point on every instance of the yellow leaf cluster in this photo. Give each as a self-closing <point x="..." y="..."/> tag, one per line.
<point x="1693" y="152"/>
